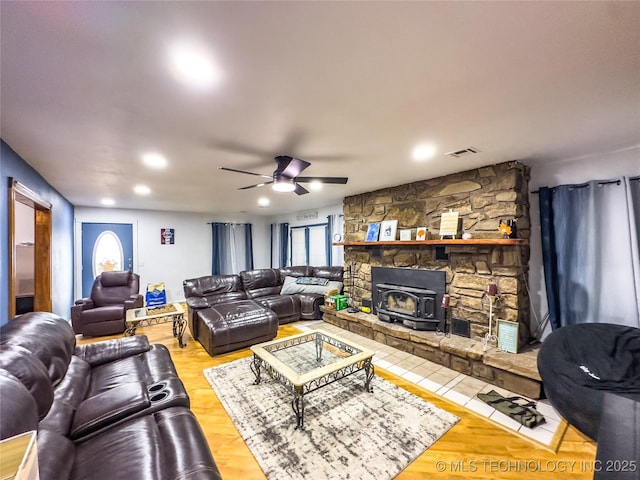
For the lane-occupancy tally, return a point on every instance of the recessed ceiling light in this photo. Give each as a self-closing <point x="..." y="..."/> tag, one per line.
<point x="108" y="202"/>
<point x="154" y="160"/>
<point x="423" y="152"/>
<point x="264" y="202"/>
<point x="315" y="185"/>
<point x="192" y="65"/>
<point x="142" y="190"/>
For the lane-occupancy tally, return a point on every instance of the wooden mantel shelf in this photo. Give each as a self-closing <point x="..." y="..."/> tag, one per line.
<point x="472" y="241"/>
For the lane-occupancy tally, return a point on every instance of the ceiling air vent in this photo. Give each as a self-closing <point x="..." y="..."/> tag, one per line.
<point x="463" y="152"/>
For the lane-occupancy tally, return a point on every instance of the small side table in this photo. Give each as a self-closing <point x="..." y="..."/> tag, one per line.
<point x="142" y="317"/>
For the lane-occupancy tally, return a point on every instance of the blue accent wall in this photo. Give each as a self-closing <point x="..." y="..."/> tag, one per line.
<point x="13" y="166"/>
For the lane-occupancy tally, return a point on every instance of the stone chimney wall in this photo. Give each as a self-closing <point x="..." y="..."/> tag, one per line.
<point x="483" y="197"/>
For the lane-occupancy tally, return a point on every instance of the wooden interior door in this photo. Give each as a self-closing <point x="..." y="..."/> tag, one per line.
<point x="42" y="247"/>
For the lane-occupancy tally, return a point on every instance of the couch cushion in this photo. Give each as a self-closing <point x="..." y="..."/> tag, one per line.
<point x="102" y="314"/>
<point x="18" y="409"/>
<point x="115" y="279"/>
<point x="292" y="286"/>
<point x="332" y="273"/>
<point x="68" y="394"/>
<point x="211" y="285"/>
<point x="46" y="336"/>
<point x="261" y="282"/>
<point x="298" y="271"/>
<point x="26" y="368"/>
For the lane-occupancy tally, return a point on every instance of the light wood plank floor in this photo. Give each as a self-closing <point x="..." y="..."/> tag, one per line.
<point x="472" y="449"/>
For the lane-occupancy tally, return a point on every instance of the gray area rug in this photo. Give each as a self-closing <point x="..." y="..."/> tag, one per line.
<point x="349" y="433"/>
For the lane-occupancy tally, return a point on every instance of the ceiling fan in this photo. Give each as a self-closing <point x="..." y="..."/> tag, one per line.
<point x="285" y="177"/>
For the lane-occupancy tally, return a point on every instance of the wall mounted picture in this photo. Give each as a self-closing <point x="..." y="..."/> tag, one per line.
<point x="372" y="232"/>
<point x="167" y="236"/>
<point x="421" y="233"/>
<point x="388" y="230"/>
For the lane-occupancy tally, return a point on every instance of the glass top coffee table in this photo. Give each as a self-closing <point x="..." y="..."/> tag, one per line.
<point x="305" y="362"/>
<point x="146" y="316"/>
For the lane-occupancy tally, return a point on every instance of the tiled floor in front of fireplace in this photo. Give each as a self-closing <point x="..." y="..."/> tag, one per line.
<point x="452" y="385"/>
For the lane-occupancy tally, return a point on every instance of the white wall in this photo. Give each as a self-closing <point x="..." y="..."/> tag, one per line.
<point x="188" y="257"/>
<point x="602" y="166"/>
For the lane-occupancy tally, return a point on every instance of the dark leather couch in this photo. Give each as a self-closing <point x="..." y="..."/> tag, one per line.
<point x="206" y="295"/>
<point x="113" y="409"/>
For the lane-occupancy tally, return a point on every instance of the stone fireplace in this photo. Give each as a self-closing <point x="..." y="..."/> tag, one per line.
<point x="483" y="197"/>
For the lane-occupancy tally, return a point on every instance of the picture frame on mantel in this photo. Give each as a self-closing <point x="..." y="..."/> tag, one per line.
<point x="373" y="231"/>
<point x="388" y="230"/>
<point x="449" y="224"/>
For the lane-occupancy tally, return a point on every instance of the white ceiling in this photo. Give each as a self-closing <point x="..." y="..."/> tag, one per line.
<point x="351" y="87"/>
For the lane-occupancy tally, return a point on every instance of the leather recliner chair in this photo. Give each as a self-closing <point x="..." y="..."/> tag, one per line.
<point x="103" y="313"/>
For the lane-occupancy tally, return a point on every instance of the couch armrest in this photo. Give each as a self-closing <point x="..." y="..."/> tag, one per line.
<point x="197" y="303"/>
<point x="108" y="407"/>
<point x="134" y="301"/>
<point x="85" y="303"/>
<point x="110" y="350"/>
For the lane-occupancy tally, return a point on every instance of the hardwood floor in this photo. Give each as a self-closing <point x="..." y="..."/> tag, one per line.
<point x="472" y="449"/>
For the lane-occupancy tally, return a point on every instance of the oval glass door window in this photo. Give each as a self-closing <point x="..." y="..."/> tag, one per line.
<point x="108" y="255"/>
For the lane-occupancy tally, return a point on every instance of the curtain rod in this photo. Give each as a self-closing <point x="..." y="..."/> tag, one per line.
<point x="583" y="185"/>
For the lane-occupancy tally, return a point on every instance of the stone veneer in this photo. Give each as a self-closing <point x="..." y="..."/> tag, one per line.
<point x="483" y="197"/>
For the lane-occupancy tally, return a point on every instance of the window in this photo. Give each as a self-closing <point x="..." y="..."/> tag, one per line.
<point x="107" y="253"/>
<point x="309" y="245"/>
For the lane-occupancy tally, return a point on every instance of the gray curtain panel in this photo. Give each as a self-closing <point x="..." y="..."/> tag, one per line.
<point x="591" y="252"/>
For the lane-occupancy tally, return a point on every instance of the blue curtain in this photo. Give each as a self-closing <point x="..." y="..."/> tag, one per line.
<point x="590" y="247"/>
<point x="232" y="248"/>
<point x="248" y="245"/>
<point x="279" y="244"/>
<point x="284" y="244"/>
<point x="549" y="255"/>
<point x="219" y="247"/>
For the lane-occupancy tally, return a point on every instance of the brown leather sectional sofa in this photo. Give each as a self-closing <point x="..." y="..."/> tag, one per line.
<point x="227" y="312"/>
<point x="112" y="409"/>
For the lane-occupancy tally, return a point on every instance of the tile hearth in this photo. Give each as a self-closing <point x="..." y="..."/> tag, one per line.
<point x="452" y="385"/>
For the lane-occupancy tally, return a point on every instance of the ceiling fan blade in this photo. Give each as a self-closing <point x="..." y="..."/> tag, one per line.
<point x="256" y="185"/>
<point x="290" y="167"/>
<point x="300" y="190"/>
<point x="340" y="180"/>
<point x="242" y="171"/>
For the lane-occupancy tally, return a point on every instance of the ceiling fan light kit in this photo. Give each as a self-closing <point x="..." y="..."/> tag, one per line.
<point x="284" y="185"/>
<point x="285" y="177"/>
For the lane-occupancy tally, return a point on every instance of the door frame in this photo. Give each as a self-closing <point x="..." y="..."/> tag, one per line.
<point x="42" y="246"/>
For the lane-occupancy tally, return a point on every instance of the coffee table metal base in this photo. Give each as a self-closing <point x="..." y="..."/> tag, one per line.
<point x="299" y="391"/>
<point x="177" y="318"/>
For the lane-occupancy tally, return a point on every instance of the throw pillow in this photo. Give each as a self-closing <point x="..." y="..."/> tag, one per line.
<point x="312" y="281"/>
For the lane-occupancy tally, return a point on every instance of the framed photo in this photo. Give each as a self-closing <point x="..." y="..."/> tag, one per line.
<point x="449" y="224"/>
<point x="508" y="336"/>
<point x="405" y="235"/>
<point x="388" y="230"/>
<point x="167" y="236"/>
<point x="372" y="232"/>
<point x="421" y="233"/>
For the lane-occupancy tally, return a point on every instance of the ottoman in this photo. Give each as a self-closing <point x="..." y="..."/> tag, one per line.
<point x="579" y="364"/>
<point x="230" y="326"/>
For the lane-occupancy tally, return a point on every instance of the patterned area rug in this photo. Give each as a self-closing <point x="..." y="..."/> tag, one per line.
<point x="349" y="433"/>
